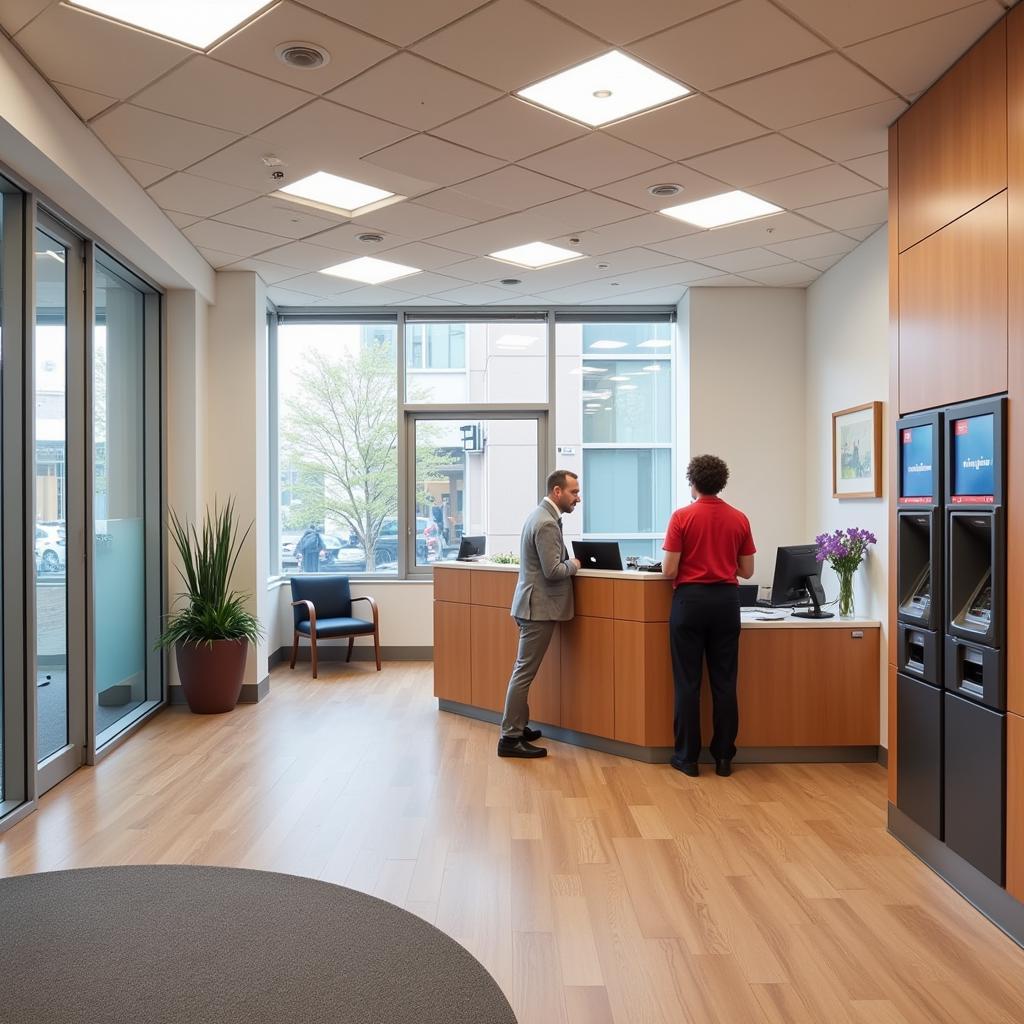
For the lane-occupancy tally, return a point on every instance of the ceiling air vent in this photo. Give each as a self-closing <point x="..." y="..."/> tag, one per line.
<point x="303" y="56"/>
<point x="664" y="191"/>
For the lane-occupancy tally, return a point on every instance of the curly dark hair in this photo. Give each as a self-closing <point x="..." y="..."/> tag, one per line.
<point x="708" y="473"/>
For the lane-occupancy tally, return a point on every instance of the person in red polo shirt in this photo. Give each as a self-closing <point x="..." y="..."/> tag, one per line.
<point x="708" y="545"/>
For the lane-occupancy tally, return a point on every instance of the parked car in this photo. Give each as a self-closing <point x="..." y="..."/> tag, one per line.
<point x="428" y="541"/>
<point x="51" y="547"/>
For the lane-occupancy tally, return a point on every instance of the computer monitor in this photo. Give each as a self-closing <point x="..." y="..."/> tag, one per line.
<point x="797" y="578"/>
<point x="597" y="554"/>
<point x="748" y="595"/>
<point x="470" y="548"/>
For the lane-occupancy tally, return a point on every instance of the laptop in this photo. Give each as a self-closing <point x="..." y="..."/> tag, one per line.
<point x="471" y="548"/>
<point x="748" y="595"/>
<point x="597" y="554"/>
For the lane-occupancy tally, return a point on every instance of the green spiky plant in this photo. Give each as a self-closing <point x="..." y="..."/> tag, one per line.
<point x="212" y="610"/>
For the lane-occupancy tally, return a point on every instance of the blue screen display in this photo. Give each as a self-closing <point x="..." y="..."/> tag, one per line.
<point x="918" y="473"/>
<point x="973" y="456"/>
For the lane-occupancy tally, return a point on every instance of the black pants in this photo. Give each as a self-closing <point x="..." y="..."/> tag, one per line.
<point x="705" y="622"/>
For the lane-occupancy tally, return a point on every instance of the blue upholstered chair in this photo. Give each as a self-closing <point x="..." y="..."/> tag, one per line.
<point x="323" y="608"/>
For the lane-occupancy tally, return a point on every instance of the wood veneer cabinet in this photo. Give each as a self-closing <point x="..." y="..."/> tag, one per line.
<point x="608" y="673"/>
<point x="952" y="142"/>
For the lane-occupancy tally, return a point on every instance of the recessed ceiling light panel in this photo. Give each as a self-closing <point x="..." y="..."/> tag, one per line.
<point x="535" y="254"/>
<point x="330" y="192"/>
<point x="605" y="89"/>
<point x="726" y="208"/>
<point x="371" y="270"/>
<point x="198" y="23"/>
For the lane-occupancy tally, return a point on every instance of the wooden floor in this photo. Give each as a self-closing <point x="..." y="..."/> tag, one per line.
<point x="594" y="889"/>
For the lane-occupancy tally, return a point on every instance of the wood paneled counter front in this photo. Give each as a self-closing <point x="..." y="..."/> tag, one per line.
<point x="808" y="690"/>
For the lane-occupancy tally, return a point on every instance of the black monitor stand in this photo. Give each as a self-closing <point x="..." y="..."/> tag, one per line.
<point x="817" y="595"/>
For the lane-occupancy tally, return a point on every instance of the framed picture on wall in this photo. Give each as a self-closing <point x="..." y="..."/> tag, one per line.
<point x="857" y="452"/>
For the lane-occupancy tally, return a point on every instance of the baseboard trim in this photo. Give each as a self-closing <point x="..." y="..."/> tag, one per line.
<point x="661" y="755"/>
<point x="361" y="652"/>
<point x="992" y="900"/>
<point x="252" y="693"/>
<point x="883" y="756"/>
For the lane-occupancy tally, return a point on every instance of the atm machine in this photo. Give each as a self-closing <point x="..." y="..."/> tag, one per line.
<point x="920" y="619"/>
<point x="974" y="703"/>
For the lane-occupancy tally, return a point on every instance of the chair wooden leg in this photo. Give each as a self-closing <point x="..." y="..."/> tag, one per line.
<point x="295" y="648"/>
<point x="376" y="647"/>
<point x="351" y="642"/>
<point x="312" y="641"/>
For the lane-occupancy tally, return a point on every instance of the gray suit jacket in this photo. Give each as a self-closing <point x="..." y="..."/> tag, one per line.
<point x="544" y="590"/>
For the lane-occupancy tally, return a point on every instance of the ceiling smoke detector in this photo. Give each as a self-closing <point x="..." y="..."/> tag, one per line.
<point x="302" y="56"/>
<point x="664" y="191"/>
<point x="370" y="236"/>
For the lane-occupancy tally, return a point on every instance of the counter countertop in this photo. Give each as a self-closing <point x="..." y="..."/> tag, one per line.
<point x="610" y="574"/>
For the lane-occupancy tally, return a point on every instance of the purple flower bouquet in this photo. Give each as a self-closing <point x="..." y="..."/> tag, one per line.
<point x="844" y="550"/>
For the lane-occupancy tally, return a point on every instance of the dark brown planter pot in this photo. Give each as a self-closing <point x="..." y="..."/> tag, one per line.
<point x="211" y="674"/>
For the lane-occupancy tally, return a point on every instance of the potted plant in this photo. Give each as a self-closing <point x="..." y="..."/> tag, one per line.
<point x="212" y="632"/>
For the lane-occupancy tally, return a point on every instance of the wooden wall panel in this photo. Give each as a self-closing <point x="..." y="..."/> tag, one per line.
<point x="594" y="596"/>
<point x="492" y="587"/>
<point x="451" y="651"/>
<point x="588" y="676"/>
<point x="1015" y="806"/>
<point x="952" y="142"/>
<point x="894" y="373"/>
<point x="953" y="310"/>
<point x="641" y="601"/>
<point x="451" y="584"/>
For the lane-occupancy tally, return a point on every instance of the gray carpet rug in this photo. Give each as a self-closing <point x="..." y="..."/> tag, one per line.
<point x="175" y="944"/>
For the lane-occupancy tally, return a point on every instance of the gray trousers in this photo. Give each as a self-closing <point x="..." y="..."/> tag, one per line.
<point x="534" y="637"/>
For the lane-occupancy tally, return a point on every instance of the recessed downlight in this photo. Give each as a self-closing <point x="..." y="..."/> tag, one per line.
<point x="302" y="56"/>
<point x="664" y="191"/>
<point x="370" y="236"/>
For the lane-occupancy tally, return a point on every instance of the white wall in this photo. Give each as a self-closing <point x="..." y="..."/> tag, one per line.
<point x="747" y="405"/>
<point x="847" y="365"/>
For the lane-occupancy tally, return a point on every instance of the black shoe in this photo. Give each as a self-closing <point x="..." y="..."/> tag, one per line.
<point x="531" y="735"/>
<point x="686" y="767"/>
<point x="517" y="746"/>
<point x="723" y="766"/>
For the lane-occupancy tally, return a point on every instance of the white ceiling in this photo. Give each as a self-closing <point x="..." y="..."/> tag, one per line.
<point x="792" y="100"/>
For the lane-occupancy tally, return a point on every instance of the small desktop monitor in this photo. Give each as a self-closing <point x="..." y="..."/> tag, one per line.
<point x="471" y="548"/>
<point x="597" y="554"/>
<point x="798" y="579"/>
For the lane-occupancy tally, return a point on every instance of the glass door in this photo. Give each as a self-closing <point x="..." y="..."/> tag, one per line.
<point x="57" y="534"/>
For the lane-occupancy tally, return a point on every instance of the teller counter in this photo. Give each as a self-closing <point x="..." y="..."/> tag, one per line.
<point x="808" y="689"/>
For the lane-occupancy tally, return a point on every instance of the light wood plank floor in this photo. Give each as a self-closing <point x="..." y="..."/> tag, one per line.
<point x="594" y="889"/>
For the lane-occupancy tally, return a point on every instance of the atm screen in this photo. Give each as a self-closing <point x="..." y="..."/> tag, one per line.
<point x="974" y="457"/>
<point x="917" y="471"/>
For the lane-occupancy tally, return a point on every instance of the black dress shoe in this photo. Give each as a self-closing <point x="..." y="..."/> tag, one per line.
<point x="531" y="735"/>
<point x="686" y="767"/>
<point x="516" y="746"/>
<point x="723" y="766"/>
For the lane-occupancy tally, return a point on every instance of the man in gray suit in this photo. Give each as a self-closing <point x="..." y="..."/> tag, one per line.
<point x="542" y="599"/>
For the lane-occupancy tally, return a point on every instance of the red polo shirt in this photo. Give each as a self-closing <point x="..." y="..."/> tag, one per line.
<point x="710" y="535"/>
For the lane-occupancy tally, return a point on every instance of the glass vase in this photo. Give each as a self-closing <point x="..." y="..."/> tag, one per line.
<point x="846" y="595"/>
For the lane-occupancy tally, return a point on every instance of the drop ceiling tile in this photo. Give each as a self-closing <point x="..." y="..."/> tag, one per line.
<point x="585" y="210"/>
<point x="855" y="212"/>
<point x="503" y="233"/>
<point x="763" y="159"/>
<point x="519" y="300"/>
<point x="16" y="14"/>
<point x="199" y="196"/>
<point x="144" y="173"/>
<point x="470" y="295"/>
<point x="252" y="48"/>
<point x="138" y="134"/>
<point x="228" y="238"/>
<point x="727" y="281"/>
<point x="635" y="190"/>
<point x="816" y="88"/>
<point x="875" y="168"/>
<point x="321" y="285"/>
<point x="911" y="59"/>
<point x="846" y="23"/>
<point x="271" y="273"/>
<point x="481" y="269"/>
<point x="643" y="230"/>
<point x="510" y="44"/>
<point x="516" y="188"/>
<point x="622" y="23"/>
<point x="455" y="203"/>
<point x="824" y="262"/>
<point x="822" y="185"/>
<point x="730" y="44"/>
<point x="684" y="272"/>
<point x="654" y="296"/>
<point x="345" y="238"/>
<point x="828" y="244"/>
<point x="182" y="220"/>
<point x="745" y="259"/>
<point x="795" y="275"/>
<point x="208" y="92"/>
<point x="413" y="92"/>
<point x="302" y="256"/>
<point x="278" y="217"/>
<point x="283" y="296"/>
<point x="855" y="133"/>
<point x="434" y="160"/>
<point x="377" y="295"/>
<point x="782" y="227"/>
<point x="422" y="255"/>
<point x="217" y="259"/>
<point x="84" y="103"/>
<point x="593" y="160"/>
<point x="400" y="21"/>
<point x="413" y="221"/>
<point x="687" y="127"/>
<point x="432" y="284"/>
<point x="68" y="45"/>
<point x="422" y="300"/>
<point x="865" y="231"/>
<point x="510" y="129"/>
